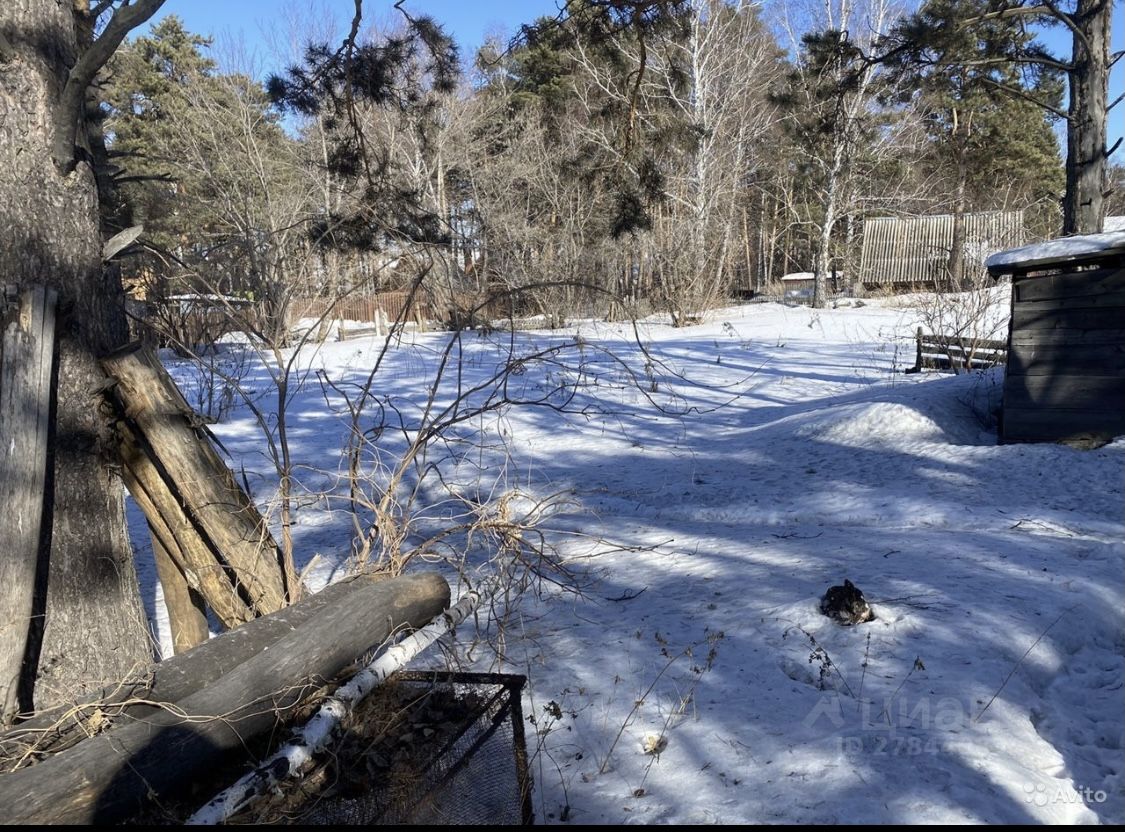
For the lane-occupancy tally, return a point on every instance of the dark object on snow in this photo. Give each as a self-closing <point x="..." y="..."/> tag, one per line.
<point x="846" y="604"/>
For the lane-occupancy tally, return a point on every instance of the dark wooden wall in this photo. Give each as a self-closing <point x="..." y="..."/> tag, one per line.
<point x="1066" y="359"/>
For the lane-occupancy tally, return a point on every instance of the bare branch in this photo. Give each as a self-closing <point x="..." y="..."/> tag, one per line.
<point x="1019" y="93"/>
<point x="72" y="101"/>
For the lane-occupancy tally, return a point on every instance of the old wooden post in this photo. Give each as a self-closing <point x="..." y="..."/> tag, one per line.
<point x="187" y="612"/>
<point x="25" y="415"/>
<point x="203" y="519"/>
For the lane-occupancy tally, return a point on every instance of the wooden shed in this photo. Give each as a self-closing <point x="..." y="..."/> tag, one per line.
<point x="1066" y="343"/>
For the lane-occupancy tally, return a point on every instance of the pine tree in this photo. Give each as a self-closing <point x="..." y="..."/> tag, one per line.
<point x="935" y="36"/>
<point x="991" y="144"/>
<point x="88" y="624"/>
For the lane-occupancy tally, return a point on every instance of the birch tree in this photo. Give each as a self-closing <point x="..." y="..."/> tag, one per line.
<point x="830" y="96"/>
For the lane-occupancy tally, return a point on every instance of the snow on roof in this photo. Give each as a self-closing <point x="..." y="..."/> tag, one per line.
<point x="1082" y="246"/>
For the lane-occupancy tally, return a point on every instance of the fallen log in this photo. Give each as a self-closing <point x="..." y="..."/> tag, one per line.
<point x="110" y="777"/>
<point x="315" y="736"/>
<point x="200" y="498"/>
<point x="171" y="680"/>
<point x="25" y="411"/>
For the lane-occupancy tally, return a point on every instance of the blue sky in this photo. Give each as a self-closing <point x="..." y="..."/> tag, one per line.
<point x="470" y="21"/>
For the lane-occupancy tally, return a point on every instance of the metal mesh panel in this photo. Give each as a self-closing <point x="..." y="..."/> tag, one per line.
<point x="473" y="772"/>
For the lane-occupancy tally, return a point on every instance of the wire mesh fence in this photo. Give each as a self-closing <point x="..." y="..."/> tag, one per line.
<point x="430" y="748"/>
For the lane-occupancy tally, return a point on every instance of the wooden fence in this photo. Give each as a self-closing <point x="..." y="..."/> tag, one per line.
<point x="363" y="308"/>
<point x="915" y="250"/>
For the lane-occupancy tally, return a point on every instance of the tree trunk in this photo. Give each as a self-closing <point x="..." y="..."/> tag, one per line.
<point x="108" y="778"/>
<point x="1084" y="206"/>
<point x="94" y="625"/>
<point x="824" y="251"/>
<point x="957" y="246"/>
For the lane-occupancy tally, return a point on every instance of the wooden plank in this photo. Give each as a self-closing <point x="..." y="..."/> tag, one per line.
<point x="223" y="514"/>
<point x="1025" y="318"/>
<point x="25" y="415"/>
<point x="1070" y="392"/>
<point x="1082" y="359"/>
<point x="1105" y="300"/>
<point x="171" y="523"/>
<point x="1038" y="425"/>
<point x="110" y="777"/>
<point x="1065" y="337"/>
<point x="187" y="615"/>
<point x="1090" y="284"/>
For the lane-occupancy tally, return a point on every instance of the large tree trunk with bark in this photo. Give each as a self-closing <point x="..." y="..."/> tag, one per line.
<point x="88" y="605"/>
<point x="1084" y="206"/>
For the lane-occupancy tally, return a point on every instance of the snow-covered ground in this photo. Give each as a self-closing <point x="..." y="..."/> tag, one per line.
<point x="759" y="459"/>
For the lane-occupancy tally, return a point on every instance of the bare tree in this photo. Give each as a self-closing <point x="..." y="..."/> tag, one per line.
<point x="830" y="99"/>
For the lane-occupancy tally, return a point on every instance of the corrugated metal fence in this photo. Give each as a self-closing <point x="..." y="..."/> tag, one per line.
<point x="916" y="249"/>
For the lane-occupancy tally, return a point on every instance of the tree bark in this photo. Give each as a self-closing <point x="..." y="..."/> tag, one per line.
<point x="171" y="680"/>
<point x="957" y="247"/>
<point x="94" y="626"/>
<point x="192" y="488"/>
<point x="1086" y="171"/>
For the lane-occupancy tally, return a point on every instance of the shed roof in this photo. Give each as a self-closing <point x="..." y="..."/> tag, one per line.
<point x="1061" y="250"/>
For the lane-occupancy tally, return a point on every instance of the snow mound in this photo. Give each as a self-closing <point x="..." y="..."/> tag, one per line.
<point x="948" y="412"/>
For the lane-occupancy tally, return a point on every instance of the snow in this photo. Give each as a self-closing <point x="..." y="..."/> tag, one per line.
<point x="762" y="457"/>
<point x="1061" y="249"/>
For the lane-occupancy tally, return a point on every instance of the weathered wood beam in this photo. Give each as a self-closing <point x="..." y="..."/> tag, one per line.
<point x="172" y="527"/>
<point x="223" y="515"/>
<point x="25" y="416"/>
<point x="187" y="613"/>
<point x="109" y="777"/>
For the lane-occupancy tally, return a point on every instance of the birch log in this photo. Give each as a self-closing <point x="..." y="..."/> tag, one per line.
<point x="318" y="732"/>
<point x="110" y="777"/>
